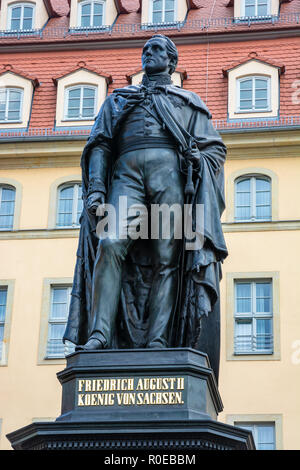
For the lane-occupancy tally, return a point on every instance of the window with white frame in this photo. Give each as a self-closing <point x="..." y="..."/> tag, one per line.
<point x="163" y="11"/>
<point x="254" y="94"/>
<point x="21" y="17"/>
<point x="70" y="205"/>
<point x="59" y="309"/>
<point x="80" y="102"/>
<point x="263" y="434"/>
<point x="253" y="199"/>
<point x="7" y="207"/>
<point x="253" y="331"/>
<point x="11" y="100"/>
<point x="257" y="8"/>
<point x="3" y="302"/>
<point x="91" y="14"/>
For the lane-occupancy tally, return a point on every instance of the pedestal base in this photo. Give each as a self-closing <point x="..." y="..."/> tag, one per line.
<point x="162" y="399"/>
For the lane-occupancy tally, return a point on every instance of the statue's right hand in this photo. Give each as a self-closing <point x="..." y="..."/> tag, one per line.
<point x="95" y="200"/>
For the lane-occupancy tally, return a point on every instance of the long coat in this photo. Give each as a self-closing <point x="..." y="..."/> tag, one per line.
<point x="197" y="320"/>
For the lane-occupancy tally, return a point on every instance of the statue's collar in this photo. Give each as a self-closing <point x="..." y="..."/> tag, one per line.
<point x="159" y="79"/>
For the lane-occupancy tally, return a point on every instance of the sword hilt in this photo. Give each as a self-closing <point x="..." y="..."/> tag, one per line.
<point x="189" y="187"/>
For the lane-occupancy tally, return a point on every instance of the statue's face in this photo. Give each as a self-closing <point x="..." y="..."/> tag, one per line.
<point x="155" y="58"/>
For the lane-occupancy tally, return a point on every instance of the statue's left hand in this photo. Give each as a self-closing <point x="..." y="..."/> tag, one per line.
<point x="94" y="200"/>
<point x="194" y="156"/>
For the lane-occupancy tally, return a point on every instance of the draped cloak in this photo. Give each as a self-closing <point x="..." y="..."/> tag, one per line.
<point x="196" y="321"/>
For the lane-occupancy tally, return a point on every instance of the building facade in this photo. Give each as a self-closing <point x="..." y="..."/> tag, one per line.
<point x="58" y="61"/>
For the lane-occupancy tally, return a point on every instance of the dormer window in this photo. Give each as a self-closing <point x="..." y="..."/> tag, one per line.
<point x="163" y="11"/>
<point x="10" y="104"/>
<point x="163" y="14"/>
<point x="254" y="94"/>
<point x="81" y="102"/>
<point x="253" y="88"/>
<point x="21" y="17"/>
<point x="91" y="14"/>
<point x="257" y="8"/>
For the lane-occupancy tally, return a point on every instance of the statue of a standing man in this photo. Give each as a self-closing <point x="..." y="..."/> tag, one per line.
<point x="150" y="293"/>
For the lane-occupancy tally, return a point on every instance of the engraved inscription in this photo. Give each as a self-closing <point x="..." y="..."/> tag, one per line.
<point x="130" y="391"/>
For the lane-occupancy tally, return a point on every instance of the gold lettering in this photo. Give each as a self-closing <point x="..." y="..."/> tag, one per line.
<point x="120" y="398"/>
<point x="140" y="385"/>
<point x="94" y="399"/>
<point x="80" y="400"/>
<point x="99" y="385"/>
<point x="130" y="384"/>
<point x="153" y="384"/>
<point x="178" y="398"/>
<point x="172" y="381"/>
<point x="80" y="384"/>
<point x="88" y="385"/>
<point x="139" y="399"/>
<point x="165" y="384"/>
<point x="124" y="384"/>
<point x="100" y="398"/>
<point x="146" y="399"/>
<point x="105" y="385"/>
<point x="171" y="398"/>
<point x="180" y="383"/>
<point x="111" y="399"/>
<point x="87" y="399"/>
<point x="165" y="398"/>
<point x="158" y="398"/>
<point x="146" y="384"/>
<point x="152" y="398"/>
<point x="113" y="385"/>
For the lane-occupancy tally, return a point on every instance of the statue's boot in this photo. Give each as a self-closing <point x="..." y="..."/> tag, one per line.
<point x="93" y="344"/>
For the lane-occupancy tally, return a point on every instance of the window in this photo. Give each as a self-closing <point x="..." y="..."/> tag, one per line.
<point x="263" y="434"/>
<point x="3" y="302"/>
<point x="11" y="104"/>
<point x="69" y="205"/>
<point x="60" y="301"/>
<point x="253" y="317"/>
<point x="163" y="11"/>
<point x="252" y="199"/>
<point x="21" y="17"/>
<point x="91" y="14"/>
<point x="257" y="8"/>
<point x="7" y="207"/>
<point x="80" y="103"/>
<point x="254" y="94"/>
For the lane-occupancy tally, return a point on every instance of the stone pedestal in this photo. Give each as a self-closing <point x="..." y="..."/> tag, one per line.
<point x="162" y="399"/>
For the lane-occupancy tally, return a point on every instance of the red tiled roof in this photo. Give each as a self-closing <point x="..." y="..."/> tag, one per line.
<point x="81" y="65"/>
<point x="10" y="68"/>
<point x="127" y="6"/>
<point x="254" y="56"/>
<point x="191" y="3"/>
<point x="203" y="64"/>
<point x="57" y="8"/>
<point x="208" y="18"/>
<point x="231" y="2"/>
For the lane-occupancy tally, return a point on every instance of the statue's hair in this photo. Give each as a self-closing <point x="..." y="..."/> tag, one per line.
<point x="171" y="50"/>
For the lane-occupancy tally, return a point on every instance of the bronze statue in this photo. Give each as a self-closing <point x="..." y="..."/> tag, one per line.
<point x="147" y="141"/>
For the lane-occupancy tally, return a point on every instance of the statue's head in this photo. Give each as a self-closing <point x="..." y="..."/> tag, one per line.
<point x="159" y="55"/>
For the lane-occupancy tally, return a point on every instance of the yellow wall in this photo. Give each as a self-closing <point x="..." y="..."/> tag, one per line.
<point x="30" y="390"/>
